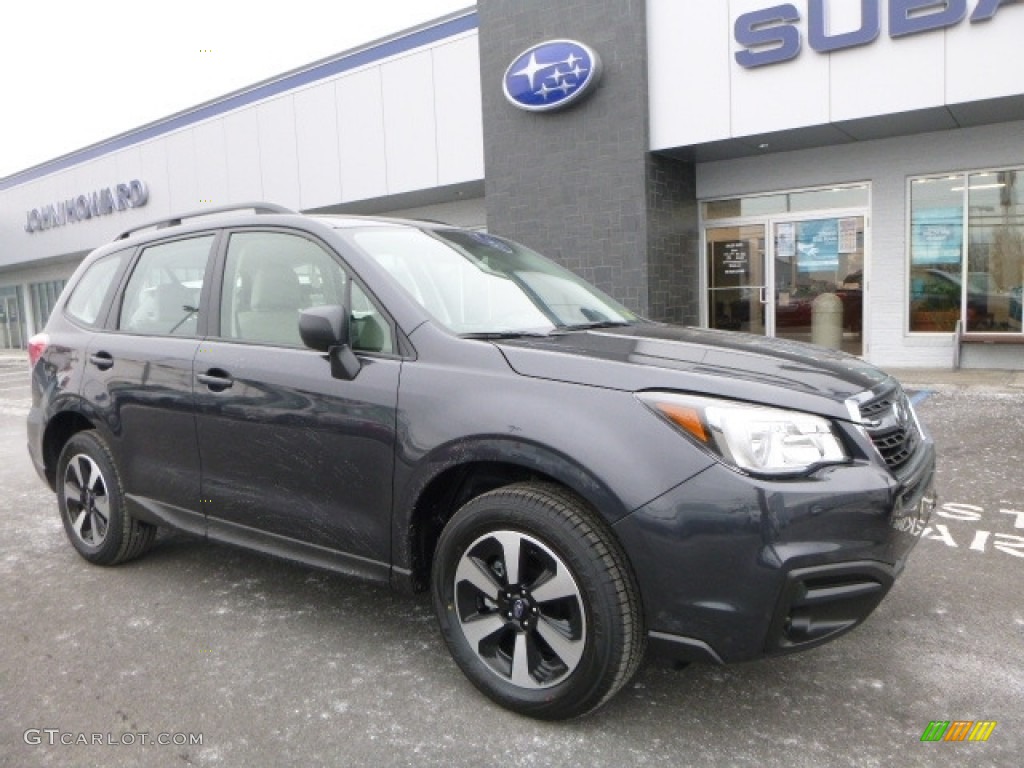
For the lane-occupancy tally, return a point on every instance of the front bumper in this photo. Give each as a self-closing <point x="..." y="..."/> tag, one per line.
<point x="733" y="568"/>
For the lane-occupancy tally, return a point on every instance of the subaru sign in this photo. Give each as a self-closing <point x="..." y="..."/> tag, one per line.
<point x="770" y="35"/>
<point x="551" y="75"/>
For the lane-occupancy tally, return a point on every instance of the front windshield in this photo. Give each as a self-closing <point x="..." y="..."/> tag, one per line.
<point x="475" y="283"/>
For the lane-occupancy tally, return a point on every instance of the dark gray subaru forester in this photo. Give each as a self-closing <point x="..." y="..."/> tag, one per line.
<point x="444" y="409"/>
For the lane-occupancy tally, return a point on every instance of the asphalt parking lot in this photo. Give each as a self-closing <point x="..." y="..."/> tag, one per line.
<point x="269" y="664"/>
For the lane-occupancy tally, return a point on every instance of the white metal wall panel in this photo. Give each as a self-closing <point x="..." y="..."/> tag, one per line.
<point x="316" y="131"/>
<point x="279" y="161"/>
<point x="154" y="173"/>
<point x="182" y="179"/>
<point x="132" y="164"/>
<point x="983" y="61"/>
<point x="211" y="164"/>
<point x="48" y="191"/>
<point x="387" y="127"/>
<point x="87" y="178"/>
<point x="897" y="76"/>
<point x="364" y="166"/>
<point x="410" y="125"/>
<point x="777" y="97"/>
<point x="690" y="75"/>
<point x="692" y="69"/>
<point x="18" y="245"/>
<point x="459" y="112"/>
<point x="242" y="154"/>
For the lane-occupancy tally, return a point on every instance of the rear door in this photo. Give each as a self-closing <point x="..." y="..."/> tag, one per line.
<point x="139" y="379"/>
<point x="286" y="449"/>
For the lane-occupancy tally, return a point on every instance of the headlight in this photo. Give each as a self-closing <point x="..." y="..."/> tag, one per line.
<point x="752" y="437"/>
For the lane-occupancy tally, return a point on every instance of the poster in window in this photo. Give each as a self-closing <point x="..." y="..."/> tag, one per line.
<point x="848" y="234"/>
<point x="785" y="240"/>
<point x="817" y="245"/>
<point x="936" y="236"/>
<point x="730" y="263"/>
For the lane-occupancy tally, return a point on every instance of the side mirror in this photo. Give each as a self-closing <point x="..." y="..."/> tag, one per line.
<point x="325" y="329"/>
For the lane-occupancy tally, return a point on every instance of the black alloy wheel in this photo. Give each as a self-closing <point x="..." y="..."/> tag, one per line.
<point x="91" y="504"/>
<point x="536" y="601"/>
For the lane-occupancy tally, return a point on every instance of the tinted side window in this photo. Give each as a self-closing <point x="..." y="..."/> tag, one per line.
<point x="270" y="277"/>
<point x="162" y="295"/>
<point x="93" y="289"/>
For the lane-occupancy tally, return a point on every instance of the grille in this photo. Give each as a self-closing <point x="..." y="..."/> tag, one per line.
<point x="875" y="409"/>
<point x="895" y="434"/>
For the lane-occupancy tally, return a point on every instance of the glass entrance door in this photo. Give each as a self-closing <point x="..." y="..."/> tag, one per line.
<point x="811" y="258"/>
<point x="736" y="278"/>
<point x="770" y="287"/>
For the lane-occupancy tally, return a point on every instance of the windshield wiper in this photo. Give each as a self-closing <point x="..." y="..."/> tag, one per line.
<point x="492" y="335"/>
<point x="595" y="324"/>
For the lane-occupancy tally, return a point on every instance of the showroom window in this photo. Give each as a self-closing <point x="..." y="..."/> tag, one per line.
<point x="44" y="296"/>
<point x="12" y="319"/>
<point x="967" y="252"/>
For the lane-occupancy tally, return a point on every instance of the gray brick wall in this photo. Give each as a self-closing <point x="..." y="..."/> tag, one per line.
<point x="673" y="241"/>
<point x="579" y="185"/>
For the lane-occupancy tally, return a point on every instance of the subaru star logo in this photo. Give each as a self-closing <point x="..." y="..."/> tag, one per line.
<point x="551" y="75"/>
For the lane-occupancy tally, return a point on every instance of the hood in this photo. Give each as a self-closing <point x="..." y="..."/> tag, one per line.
<point x="727" y="364"/>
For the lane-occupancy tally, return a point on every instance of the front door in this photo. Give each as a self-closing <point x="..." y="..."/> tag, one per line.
<point x="291" y="457"/>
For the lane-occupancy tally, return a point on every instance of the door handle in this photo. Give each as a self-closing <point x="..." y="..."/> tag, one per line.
<point x="216" y="379"/>
<point x="102" y="360"/>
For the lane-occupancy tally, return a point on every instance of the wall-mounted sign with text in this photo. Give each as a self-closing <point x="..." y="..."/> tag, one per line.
<point x="772" y="35"/>
<point x="102" y="202"/>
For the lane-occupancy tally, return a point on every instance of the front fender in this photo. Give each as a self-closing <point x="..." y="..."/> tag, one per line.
<point x="532" y="457"/>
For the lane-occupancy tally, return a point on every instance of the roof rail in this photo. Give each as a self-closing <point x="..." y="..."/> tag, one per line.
<point x="175" y="221"/>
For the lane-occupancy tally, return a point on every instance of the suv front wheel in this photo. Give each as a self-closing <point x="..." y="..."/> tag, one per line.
<point x="92" y="504"/>
<point x="536" y="601"/>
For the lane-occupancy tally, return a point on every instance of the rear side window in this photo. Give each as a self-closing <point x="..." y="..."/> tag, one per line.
<point x="93" y="290"/>
<point x="162" y="295"/>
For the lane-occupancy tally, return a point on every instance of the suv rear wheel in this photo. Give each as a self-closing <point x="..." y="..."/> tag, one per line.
<point x="536" y="601"/>
<point x="92" y="504"/>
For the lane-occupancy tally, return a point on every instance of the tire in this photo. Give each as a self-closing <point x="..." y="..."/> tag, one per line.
<point x="91" y="501"/>
<point x="553" y="633"/>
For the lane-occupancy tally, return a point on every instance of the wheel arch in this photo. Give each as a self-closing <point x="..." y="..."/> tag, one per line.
<point x="60" y="428"/>
<point x="459" y="473"/>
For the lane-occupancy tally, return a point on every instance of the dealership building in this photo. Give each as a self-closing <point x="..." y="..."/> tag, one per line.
<point x="849" y="172"/>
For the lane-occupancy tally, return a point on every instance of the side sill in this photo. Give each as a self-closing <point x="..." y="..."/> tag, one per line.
<point x="149" y="511"/>
<point x="297" y="551"/>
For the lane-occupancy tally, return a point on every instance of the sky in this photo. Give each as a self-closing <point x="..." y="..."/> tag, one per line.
<point x="73" y="72"/>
